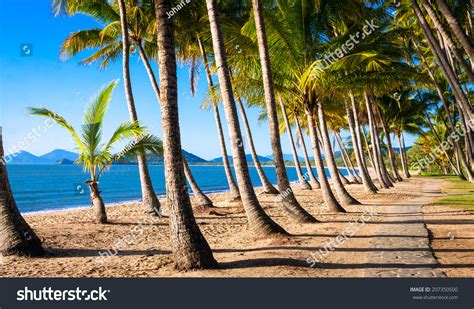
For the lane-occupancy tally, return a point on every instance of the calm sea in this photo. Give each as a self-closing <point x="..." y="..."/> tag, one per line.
<point x="51" y="187"/>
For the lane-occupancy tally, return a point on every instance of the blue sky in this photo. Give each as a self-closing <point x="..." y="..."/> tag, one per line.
<point x="41" y="79"/>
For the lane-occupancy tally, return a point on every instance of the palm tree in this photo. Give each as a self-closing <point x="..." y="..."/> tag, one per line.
<point x="301" y="179"/>
<point x="456" y="28"/>
<point x="96" y="157"/>
<point x="190" y="248"/>
<point x="268" y="188"/>
<point x="289" y="200"/>
<point x="260" y="223"/>
<point x="17" y="237"/>
<point x="111" y="42"/>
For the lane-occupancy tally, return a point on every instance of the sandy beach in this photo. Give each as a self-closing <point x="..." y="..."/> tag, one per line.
<point x="387" y="236"/>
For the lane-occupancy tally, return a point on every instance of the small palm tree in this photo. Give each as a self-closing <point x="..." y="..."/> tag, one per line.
<point x="96" y="156"/>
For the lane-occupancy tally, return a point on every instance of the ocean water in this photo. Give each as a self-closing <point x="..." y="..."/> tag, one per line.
<point x="52" y="187"/>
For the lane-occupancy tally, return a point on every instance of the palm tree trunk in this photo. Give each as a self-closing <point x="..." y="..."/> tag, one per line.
<point x="374" y="136"/>
<point x="189" y="246"/>
<point x="328" y="196"/>
<point x="201" y="199"/>
<point x="16" y="236"/>
<point x="369" y="150"/>
<point x="344" y="196"/>
<point x="97" y="202"/>
<point x="296" y="212"/>
<point x="447" y="38"/>
<point x="150" y="200"/>
<point x="347" y="160"/>
<point x="234" y="190"/>
<point x="456" y="28"/>
<point x="260" y="223"/>
<point x="354" y="127"/>
<point x="314" y="181"/>
<point x="445" y="105"/>
<point x="302" y="180"/>
<point x="443" y="62"/>
<point x="391" y="154"/>
<point x="268" y="188"/>
<point x="402" y="157"/>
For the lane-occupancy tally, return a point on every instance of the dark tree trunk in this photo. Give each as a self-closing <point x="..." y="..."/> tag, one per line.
<point x="201" y="199"/>
<point x="443" y="62"/>
<point x="456" y="28"/>
<point x="16" y="236"/>
<point x="402" y="156"/>
<point x="328" y="196"/>
<point x="314" y="181"/>
<point x="294" y="209"/>
<point x="234" y="190"/>
<point x="267" y="185"/>
<point x="150" y="200"/>
<point x="449" y="41"/>
<point x="97" y="202"/>
<point x="260" y="223"/>
<point x="344" y="196"/>
<point x="189" y="246"/>
<point x="357" y="144"/>
<point x="391" y="154"/>
<point x="302" y="180"/>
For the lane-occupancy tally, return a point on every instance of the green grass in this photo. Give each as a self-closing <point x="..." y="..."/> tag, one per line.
<point x="462" y="193"/>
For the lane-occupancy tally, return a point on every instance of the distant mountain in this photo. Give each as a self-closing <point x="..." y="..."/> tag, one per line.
<point x="24" y="157"/>
<point x="60" y="156"/>
<point x="64" y="162"/>
<point x="286" y="157"/>
<point x="247" y="156"/>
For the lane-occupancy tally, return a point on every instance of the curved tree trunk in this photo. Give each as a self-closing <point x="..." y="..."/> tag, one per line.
<point x="294" y="209"/>
<point x="449" y="41"/>
<point x="391" y="153"/>
<point x="445" y="105"/>
<point x="260" y="223"/>
<point x="341" y="191"/>
<point x="150" y="200"/>
<point x="373" y="134"/>
<point x="16" y="236"/>
<point x="456" y="28"/>
<point x="328" y="196"/>
<point x="347" y="160"/>
<point x="201" y="199"/>
<point x="267" y="185"/>
<point x="234" y="190"/>
<point x="402" y="157"/>
<point x="357" y="144"/>
<point x="404" y="152"/>
<point x="314" y="181"/>
<point x="189" y="246"/>
<point x="97" y="202"/>
<point x="461" y="97"/>
<point x="302" y="180"/>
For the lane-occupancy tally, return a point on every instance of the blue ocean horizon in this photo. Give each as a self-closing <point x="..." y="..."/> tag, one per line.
<point x="39" y="188"/>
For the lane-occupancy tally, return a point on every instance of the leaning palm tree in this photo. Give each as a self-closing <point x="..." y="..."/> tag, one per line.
<point x="260" y="223"/>
<point x="95" y="156"/>
<point x="16" y="236"/>
<point x="189" y="245"/>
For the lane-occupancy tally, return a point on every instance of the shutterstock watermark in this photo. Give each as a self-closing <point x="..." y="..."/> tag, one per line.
<point x="30" y="138"/>
<point x="439" y="151"/>
<point x="50" y="294"/>
<point x="332" y="56"/>
<point x="130" y="239"/>
<point x="331" y="244"/>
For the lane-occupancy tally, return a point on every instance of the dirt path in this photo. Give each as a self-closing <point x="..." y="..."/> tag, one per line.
<point x="402" y="238"/>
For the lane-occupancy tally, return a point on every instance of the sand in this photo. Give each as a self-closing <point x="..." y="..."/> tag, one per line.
<point x="75" y="244"/>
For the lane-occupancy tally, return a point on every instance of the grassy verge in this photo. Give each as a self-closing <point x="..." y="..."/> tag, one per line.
<point x="462" y="193"/>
